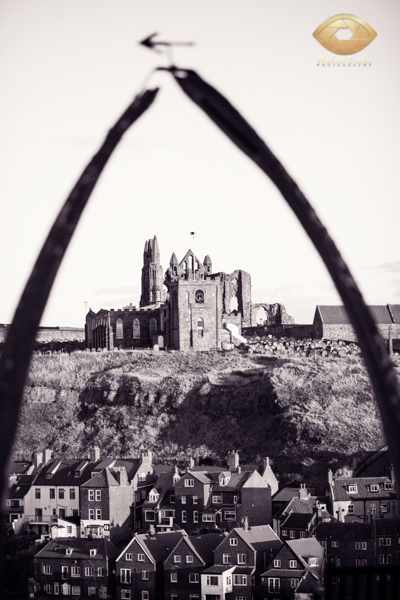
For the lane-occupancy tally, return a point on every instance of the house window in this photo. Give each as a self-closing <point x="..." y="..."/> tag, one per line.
<point x="233" y="541"/>
<point x="384" y="507"/>
<point x="119" y="330"/>
<point x="91" y="590"/>
<point x="217" y="499"/>
<point x="212" y="580"/>
<point x="56" y="589"/>
<point x="98" y="495"/>
<point x="125" y="594"/>
<point x="350" y="509"/>
<point x="208" y="518"/>
<point x="302" y="534"/>
<point x="145" y="575"/>
<point x="68" y="551"/>
<point x="98" y="513"/>
<point x="385" y="559"/>
<point x="361" y="545"/>
<point x="274" y="585"/>
<point x="174" y="577"/>
<point x="172" y="499"/>
<point x="92" y="551"/>
<point x="235" y="498"/>
<point x="140" y="557"/>
<point x="361" y="562"/>
<point x="293" y="564"/>
<point x="195" y="516"/>
<point x="177" y="558"/>
<point x="277" y="563"/>
<point x="125" y="575"/>
<point x="284" y="532"/>
<point x="241" y="559"/>
<point x="189" y="482"/>
<point x="47" y="569"/>
<point x="374" y="488"/>
<point x="128" y="556"/>
<point x="226" y="559"/>
<point x="136" y="329"/>
<point x="75" y="571"/>
<point x="37" y="494"/>
<point x="69" y="529"/>
<point x="52" y="493"/>
<point x="149" y="515"/>
<point x="100" y="571"/>
<point x="200" y="327"/>
<point x="72" y="494"/>
<point x="64" y="572"/>
<point x="230" y="515"/>
<point x="352" y="489"/>
<point x="189" y="558"/>
<point x="385" y="542"/>
<point x="292" y="535"/>
<point x="195" y="499"/>
<point x="76" y="590"/>
<point x="142" y="477"/>
<point x="335" y="544"/>
<point x="184" y="516"/>
<point x="240" y="580"/>
<point x="91" y="495"/>
<point x="183" y="499"/>
<point x="145" y="595"/>
<point x="312" y="562"/>
<point x="153" y="326"/>
<point x="47" y="588"/>
<point x="388" y="485"/>
<point x="294" y="582"/>
<point x="193" y="578"/>
<point x="91" y="514"/>
<point x="89" y="571"/>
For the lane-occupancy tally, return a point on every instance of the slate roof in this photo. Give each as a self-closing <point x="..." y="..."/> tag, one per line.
<point x="206" y="544"/>
<point x="287" y="493"/>
<point x="306" y="548"/>
<point x="284" y="573"/>
<point x="217" y="569"/>
<point x="340" y="487"/>
<point x="337" y="315"/>
<point x="131" y="465"/>
<point x="19" y="467"/>
<point x="103" y="479"/>
<point x="344" y="531"/>
<point x="159" y="545"/>
<point x="395" y="312"/>
<point x="297" y="520"/>
<point x="260" y="537"/>
<point x="80" y="549"/>
<point x="64" y="475"/>
<point x="236" y="481"/>
<point x="21" y="488"/>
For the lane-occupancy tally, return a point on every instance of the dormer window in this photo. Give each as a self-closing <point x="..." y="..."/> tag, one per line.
<point x="92" y="551"/>
<point x="374" y="487"/>
<point x="153" y="496"/>
<point x="189" y="482"/>
<point x="49" y="475"/>
<point x="68" y="551"/>
<point x="352" y="489"/>
<point x="388" y="485"/>
<point x="313" y="562"/>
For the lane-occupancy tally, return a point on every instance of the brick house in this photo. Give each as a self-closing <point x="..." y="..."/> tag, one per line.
<point x="361" y="544"/>
<point x="298" y="566"/>
<point x="76" y="567"/>
<point x="300" y="517"/>
<point x="248" y="551"/>
<point x="158" y="509"/>
<point x="355" y="499"/>
<point x="140" y="566"/>
<point x="106" y="500"/>
<point x="185" y="564"/>
<point x="192" y="494"/>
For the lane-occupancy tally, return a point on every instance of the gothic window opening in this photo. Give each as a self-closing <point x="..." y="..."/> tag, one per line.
<point x="200" y="327"/>
<point x="119" y="330"/>
<point x="199" y="296"/>
<point x="136" y="329"/>
<point x="153" y="327"/>
<point x="191" y="263"/>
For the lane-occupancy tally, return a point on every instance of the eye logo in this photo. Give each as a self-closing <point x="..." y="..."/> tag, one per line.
<point x="344" y="34"/>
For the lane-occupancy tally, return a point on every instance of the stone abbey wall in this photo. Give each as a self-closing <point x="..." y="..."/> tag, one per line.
<point x="51" y="334"/>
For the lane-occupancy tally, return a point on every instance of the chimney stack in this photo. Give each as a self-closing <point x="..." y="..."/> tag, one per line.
<point x="233" y="461"/>
<point x="37" y="459"/>
<point x="245" y="523"/>
<point x="152" y="530"/>
<point x="303" y="495"/>
<point x="94" y="454"/>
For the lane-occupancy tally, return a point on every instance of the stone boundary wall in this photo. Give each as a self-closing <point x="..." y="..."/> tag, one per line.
<point x="283" y="330"/>
<point x="51" y="334"/>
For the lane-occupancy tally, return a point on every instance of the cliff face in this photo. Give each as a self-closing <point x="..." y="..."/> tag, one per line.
<point x="303" y="413"/>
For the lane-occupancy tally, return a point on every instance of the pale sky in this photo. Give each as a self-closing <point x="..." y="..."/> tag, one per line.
<point x="69" y="68"/>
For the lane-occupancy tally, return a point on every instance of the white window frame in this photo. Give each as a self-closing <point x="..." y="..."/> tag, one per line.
<point x="98" y="495"/>
<point x="145" y="575"/>
<point x="173" y="577"/>
<point x="335" y="544"/>
<point x="91" y="495"/>
<point x="241" y="559"/>
<point x="75" y="571"/>
<point x="226" y="559"/>
<point x="189" y="482"/>
<point x="189" y="558"/>
<point x="277" y="563"/>
<point x="128" y="556"/>
<point x="292" y="564"/>
<point x="177" y="558"/>
<point x="233" y="541"/>
<point x="125" y="594"/>
<point x="195" y="516"/>
<point x="184" y="519"/>
<point x="385" y="541"/>
<point x="125" y="575"/>
<point x="140" y="557"/>
<point x="240" y="579"/>
<point x="193" y="578"/>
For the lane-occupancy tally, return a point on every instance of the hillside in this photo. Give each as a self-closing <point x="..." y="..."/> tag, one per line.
<point x="305" y="413"/>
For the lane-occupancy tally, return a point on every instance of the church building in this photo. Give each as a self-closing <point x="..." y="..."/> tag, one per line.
<point x="200" y="310"/>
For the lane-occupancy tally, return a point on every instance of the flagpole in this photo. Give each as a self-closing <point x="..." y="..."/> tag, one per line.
<point x="193" y="233"/>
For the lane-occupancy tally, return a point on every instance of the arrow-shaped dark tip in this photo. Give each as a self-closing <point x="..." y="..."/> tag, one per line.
<point x="148" y="42"/>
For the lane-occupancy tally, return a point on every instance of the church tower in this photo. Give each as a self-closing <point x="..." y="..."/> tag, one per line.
<point x="152" y="274"/>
